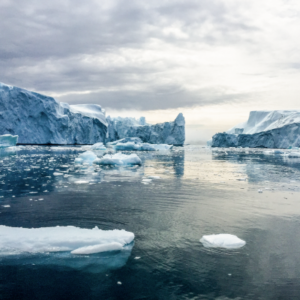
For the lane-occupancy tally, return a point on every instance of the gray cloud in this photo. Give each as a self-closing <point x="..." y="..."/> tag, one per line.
<point x="65" y="47"/>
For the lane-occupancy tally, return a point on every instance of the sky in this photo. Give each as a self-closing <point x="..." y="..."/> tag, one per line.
<point x="212" y="60"/>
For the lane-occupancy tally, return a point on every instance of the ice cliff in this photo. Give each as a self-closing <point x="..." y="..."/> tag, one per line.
<point x="171" y="133"/>
<point x="264" y="129"/>
<point x="38" y="119"/>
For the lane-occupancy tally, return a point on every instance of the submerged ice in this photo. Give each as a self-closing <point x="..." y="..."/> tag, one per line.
<point x="17" y="240"/>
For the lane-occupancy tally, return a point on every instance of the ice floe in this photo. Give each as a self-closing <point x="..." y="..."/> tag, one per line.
<point x="16" y="240"/>
<point x="223" y="240"/>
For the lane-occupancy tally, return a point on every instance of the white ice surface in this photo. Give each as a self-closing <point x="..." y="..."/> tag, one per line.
<point x="90" y="110"/>
<point x="266" y="120"/>
<point x="86" y="157"/>
<point x="16" y="240"/>
<point x="224" y="240"/>
<point x="98" y="146"/>
<point x="119" y="159"/>
<point x="294" y="155"/>
<point x="8" y="140"/>
<point x="114" y="246"/>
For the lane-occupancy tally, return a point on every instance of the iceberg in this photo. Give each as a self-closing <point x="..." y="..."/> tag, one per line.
<point x="8" y="140"/>
<point x="118" y="159"/>
<point x="171" y="133"/>
<point x="39" y="119"/>
<point x="224" y="240"/>
<point x="264" y="129"/>
<point x="17" y="240"/>
<point x="86" y="157"/>
<point x="98" y="146"/>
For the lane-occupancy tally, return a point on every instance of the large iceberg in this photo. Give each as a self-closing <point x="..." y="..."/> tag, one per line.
<point x="171" y="133"/>
<point x="265" y="129"/>
<point x="16" y="240"/>
<point x="38" y="119"/>
<point x="8" y="140"/>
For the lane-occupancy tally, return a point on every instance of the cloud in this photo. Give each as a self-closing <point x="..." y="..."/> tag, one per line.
<point x="150" y="55"/>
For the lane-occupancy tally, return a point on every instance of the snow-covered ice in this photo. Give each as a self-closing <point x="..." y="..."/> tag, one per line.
<point x="16" y="240"/>
<point x="223" y="240"/>
<point x="119" y="159"/>
<point x="8" y="140"/>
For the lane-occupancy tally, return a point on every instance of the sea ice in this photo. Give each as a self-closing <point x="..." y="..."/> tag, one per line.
<point x="119" y="159"/>
<point x="16" y="240"/>
<point x="224" y="240"/>
<point x="8" y="140"/>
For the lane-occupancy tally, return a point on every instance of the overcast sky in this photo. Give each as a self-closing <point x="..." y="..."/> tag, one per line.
<point x="213" y="60"/>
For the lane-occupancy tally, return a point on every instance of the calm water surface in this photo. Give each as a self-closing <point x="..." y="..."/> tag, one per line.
<point x="199" y="192"/>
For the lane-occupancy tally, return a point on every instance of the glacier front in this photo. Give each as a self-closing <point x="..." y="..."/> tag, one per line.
<point x="39" y="119"/>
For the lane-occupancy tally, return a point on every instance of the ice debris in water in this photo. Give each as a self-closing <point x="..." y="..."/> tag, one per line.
<point x="16" y="240"/>
<point x="119" y="159"/>
<point x="223" y="240"/>
<point x="86" y="157"/>
<point x="8" y="140"/>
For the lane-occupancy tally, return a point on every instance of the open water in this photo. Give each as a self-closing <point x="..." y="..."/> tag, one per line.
<point x="199" y="192"/>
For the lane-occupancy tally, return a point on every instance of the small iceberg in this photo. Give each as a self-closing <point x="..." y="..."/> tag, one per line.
<point x="8" y="140"/>
<point x="118" y="159"/>
<point x="98" y="146"/>
<point x="223" y="240"/>
<point x="17" y="240"/>
<point x="294" y="155"/>
<point x="86" y="157"/>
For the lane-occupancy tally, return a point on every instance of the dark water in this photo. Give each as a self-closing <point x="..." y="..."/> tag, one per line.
<point x="198" y="193"/>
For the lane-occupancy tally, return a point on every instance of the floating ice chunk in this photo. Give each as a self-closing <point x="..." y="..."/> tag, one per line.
<point x="260" y="191"/>
<point x="16" y="240"/>
<point x="8" y="140"/>
<point x="129" y="146"/>
<point x="119" y="159"/>
<point x="86" y="157"/>
<point x="98" y="146"/>
<point x="58" y="174"/>
<point x="294" y="155"/>
<point x="224" y="240"/>
<point x="98" y="248"/>
<point x="6" y="205"/>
